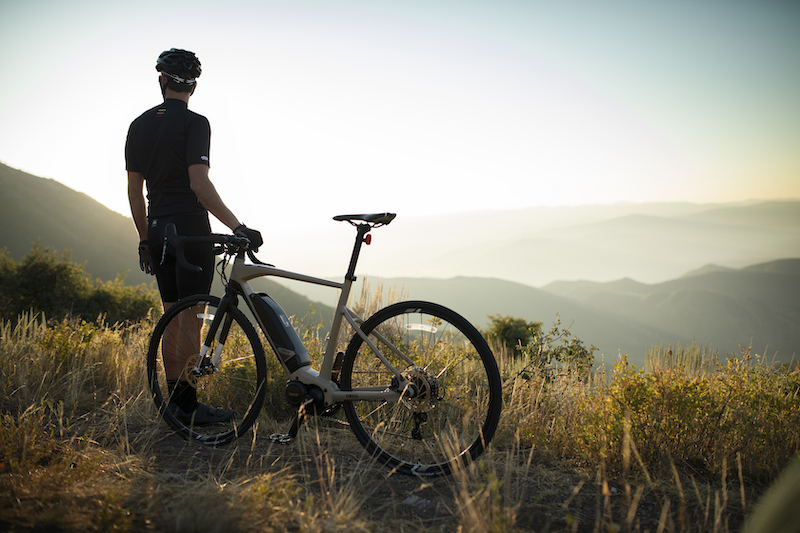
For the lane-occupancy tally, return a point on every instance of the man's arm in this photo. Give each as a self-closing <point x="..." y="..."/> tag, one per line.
<point x="209" y="198"/>
<point x="136" y="199"/>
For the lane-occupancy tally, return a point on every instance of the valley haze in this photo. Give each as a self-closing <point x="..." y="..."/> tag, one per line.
<point x="624" y="276"/>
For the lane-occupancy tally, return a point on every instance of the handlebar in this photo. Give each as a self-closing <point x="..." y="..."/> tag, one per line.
<point x="175" y="244"/>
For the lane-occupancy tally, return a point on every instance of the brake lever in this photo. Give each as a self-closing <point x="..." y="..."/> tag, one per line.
<point x="255" y="260"/>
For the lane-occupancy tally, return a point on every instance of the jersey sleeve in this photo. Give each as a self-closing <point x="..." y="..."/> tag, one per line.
<point x="130" y="153"/>
<point x="198" y="142"/>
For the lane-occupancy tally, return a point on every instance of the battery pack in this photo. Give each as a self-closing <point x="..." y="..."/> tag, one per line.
<point x="281" y="334"/>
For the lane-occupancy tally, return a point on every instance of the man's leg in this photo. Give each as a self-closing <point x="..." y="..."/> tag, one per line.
<point x="181" y="341"/>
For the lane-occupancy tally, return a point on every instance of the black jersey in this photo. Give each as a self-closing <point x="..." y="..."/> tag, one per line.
<point x="162" y="143"/>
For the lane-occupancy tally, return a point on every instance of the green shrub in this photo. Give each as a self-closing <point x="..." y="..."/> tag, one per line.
<point x="558" y="349"/>
<point x="46" y="282"/>
<point x="743" y="409"/>
<point x="512" y="332"/>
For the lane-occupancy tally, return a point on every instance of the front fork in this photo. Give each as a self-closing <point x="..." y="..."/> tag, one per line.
<point x="208" y="363"/>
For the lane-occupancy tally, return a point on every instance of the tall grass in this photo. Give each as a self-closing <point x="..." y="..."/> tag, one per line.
<point x="694" y="360"/>
<point x="680" y="446"/>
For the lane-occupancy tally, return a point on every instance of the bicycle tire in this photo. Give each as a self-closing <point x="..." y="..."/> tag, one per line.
<point x="454" y="416"/>
<point x="239" y="382"/>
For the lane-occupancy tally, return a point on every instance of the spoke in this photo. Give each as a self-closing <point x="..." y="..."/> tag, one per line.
<point x="228" y="361"/>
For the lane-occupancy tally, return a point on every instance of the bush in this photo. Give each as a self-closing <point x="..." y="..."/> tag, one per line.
<point x="555" y="348"/>
<point x="744" y="409"/>
<point x="562" y="347"/>
<point x="512" y="332"/>
<point x="46" y="282"/>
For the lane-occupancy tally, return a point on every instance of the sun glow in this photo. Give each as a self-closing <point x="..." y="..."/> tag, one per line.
<point x="318" y="110"/>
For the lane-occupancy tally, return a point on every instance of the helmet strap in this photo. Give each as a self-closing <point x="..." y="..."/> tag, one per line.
<point x="163" y="82"/>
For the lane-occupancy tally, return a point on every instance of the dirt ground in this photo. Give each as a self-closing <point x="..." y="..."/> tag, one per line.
<point x="532" y="494"/>
<point x="151" y="479"/>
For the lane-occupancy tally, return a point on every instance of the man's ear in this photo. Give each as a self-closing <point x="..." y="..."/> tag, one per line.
<point x="194" y="87"/>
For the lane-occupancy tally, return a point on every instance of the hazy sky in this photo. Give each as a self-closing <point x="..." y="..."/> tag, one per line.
<point x="418" y="106"/>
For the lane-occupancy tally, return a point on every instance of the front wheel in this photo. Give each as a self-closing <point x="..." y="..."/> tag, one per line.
<point x="456" y="402"/>
<point x="236" y="381"/>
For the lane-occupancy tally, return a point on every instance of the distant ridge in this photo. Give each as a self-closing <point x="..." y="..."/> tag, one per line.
<point x="707" y="269"/>
<point x="645" y="242"/>
<point x="724" y="307"/>
<point x="782" y="266"/>
<point x="477" y="298"/>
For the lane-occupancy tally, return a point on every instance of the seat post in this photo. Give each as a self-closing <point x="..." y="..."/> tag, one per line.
<point x="363" y="229"/>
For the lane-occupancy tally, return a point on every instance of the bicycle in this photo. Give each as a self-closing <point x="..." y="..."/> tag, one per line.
<point x="418" y="384"/>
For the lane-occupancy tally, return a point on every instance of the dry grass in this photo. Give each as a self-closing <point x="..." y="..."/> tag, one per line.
<point x="81" y="448"/>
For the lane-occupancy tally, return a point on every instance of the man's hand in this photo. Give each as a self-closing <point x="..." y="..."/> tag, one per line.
<point x="145" y="259"/>
<point x="254" y="236"/>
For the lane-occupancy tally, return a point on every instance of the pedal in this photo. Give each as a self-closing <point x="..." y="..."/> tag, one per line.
<point x="288" y="438"/>
<point x="282" y="438"/>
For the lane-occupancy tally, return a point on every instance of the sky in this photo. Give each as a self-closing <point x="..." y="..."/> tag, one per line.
<point x="419" y="107"/>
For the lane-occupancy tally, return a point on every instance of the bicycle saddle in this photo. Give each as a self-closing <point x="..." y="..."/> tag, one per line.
<point x="378" y="219"/>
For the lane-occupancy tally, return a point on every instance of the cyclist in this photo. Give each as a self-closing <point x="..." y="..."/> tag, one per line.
<point x="167" y="149"/>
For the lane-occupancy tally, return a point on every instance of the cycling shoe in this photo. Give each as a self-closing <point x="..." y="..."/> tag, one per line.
<point x="202" y="415"/>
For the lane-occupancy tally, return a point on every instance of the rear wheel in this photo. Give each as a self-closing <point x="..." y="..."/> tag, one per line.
<point x="456" y="406"/>
<point x="237" y="380"/>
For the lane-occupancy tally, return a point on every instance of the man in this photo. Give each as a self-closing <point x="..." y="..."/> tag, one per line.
<point x="168" y="149"/>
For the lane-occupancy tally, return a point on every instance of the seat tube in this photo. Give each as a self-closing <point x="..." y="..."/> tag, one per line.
<point x="338" y="317"/>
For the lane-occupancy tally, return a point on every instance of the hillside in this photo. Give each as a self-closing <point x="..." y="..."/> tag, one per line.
<point x="37" y="209"/>
<point x="722" y="307"/>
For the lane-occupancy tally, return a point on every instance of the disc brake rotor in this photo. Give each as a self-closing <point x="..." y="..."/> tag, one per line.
<point x="428" y="388"/>
<point x="193" y="377"/>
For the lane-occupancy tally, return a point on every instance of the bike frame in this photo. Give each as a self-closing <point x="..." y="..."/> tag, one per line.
<point x="241" y="273"/>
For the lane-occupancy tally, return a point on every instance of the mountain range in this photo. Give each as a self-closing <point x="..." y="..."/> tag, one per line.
<point x="624" y="277"/>
<point x="718" y="308"/>
<point x="650" y="243"/>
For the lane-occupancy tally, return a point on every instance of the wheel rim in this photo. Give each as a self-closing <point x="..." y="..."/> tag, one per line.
<point x="457" y="403"/>
<point x="236" y="383"/>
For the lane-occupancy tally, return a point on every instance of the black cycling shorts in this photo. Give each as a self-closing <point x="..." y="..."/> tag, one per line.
<point x="175" y="282"/>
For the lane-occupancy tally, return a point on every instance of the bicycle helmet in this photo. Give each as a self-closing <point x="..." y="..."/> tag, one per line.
<point x="182" y="66"/>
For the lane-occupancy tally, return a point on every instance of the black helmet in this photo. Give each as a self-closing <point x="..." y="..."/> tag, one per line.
<point x="181" y="66"/>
